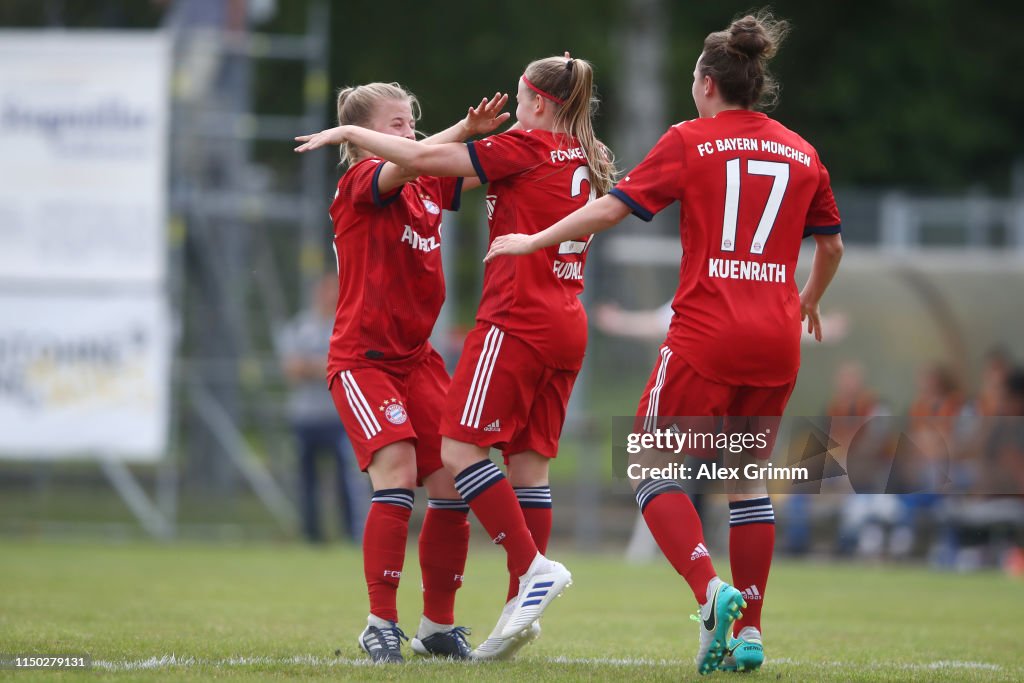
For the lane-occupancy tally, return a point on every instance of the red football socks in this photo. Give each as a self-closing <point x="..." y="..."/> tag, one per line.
<point x="535" y="502"/>
<point x="444" y="543"/>
<point x="384" y="537"/>
<point x="751" y="543"/>
<point x="488" y="493"/>
<point x="676" y="527"/>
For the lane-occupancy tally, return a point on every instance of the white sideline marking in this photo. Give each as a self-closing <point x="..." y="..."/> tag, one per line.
<point x="172" y="661"/>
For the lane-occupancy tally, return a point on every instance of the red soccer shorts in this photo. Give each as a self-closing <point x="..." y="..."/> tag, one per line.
<point x="676" y="390"/>
<point x="379" y="408"/>
<point x="503" y="395"/>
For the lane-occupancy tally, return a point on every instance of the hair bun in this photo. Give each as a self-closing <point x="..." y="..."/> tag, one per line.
<point x="747" y="37"/>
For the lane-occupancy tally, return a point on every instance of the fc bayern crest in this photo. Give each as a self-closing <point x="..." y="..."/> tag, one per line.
<point x="431" y="206"/>
<point x="394" y="411"/>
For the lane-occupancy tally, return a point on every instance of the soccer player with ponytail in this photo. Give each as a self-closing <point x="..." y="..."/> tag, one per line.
<point x="512" y="384"/>
<point x="387" y="381"/>
<point x="750" y="190"/>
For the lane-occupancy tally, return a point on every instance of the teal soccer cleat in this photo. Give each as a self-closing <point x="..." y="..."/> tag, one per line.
<point x="745" y="653"/>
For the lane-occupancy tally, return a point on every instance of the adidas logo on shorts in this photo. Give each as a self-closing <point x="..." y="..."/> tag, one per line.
<point x="751" y="593"/>
<point x="699" y="551"/>
<point x="493" y="427"/>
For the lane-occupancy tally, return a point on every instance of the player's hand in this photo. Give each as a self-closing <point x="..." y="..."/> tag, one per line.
<point x="510" y="245"/>
<point x="809" y="312"/>
<point x="331" y="136"/>
<point x="487" y="115"/>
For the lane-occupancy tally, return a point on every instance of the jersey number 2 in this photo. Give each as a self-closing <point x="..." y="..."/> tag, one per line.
<point x="780" y="172"/>
<point x="578" y="176"/>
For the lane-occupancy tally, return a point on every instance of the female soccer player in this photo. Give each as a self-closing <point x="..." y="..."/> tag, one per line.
<point x="749" y="190"/>
<point x="387" y="381"/>
<point x="517" y="369"/>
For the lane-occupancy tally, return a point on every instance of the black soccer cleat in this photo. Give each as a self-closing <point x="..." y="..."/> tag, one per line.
<point x="451" y="644"/>
<point x="384" y="645"/>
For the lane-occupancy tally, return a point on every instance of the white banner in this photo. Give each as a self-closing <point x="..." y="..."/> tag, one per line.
<point x="84" y="376"/>
<point x="83" y="134"/>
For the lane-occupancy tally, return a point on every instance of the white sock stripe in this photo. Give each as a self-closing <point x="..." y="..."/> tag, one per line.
<point x="391" y="497"/>
<point x="475" y="384"/>
<point x="468" y="485"/>
<point x="400" y="502"/>
<point x="446" y="504"/>
<point x="362" y="399"/>
<point x="492" y="360"/>
<point x="761" y="518"/>
<point x="539" y="492"/>
<point x="759" y="515"/>
<point x="394" y="499"/>
<point x="653" y="484"/>
<point x="653" y="399"/>
<point x="653" y="488"/>
<point x="468" y="492"/>
<point x="751" y="511"/>
<point x="472" y="479"/>
<point x="647" y="493"/>
<point x="354" y="405"/>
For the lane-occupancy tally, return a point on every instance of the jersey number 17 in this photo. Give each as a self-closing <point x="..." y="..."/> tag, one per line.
<point x="780" y="172"/>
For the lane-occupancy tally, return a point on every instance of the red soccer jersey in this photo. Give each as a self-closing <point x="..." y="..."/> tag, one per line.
<point x="536" y="178"/>
<point x="749" y="190"/>
<point x="390" y="280"/>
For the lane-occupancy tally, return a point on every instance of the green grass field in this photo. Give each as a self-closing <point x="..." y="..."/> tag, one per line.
<point x="185" y="612"/>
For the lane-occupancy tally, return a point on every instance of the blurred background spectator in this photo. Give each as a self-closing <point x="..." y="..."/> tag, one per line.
<point x="318" y="431"/>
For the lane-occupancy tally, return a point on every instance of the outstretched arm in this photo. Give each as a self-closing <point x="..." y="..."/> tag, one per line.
<point x="479" y="120"/>
<point x="828" y="251"/>
<point x="444" y="159"/>
<point x="595" y="217"/>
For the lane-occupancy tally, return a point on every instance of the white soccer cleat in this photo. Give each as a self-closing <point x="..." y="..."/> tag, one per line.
<point x="715" y="619"/>
<point x="500" y="648"/>
<point x="544" y="581"/>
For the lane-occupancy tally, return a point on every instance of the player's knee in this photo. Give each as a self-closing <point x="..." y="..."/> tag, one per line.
<point x="458" y="455"/>
<point x="440" y="484"/>
<point x="528" y="468"/>
<point x="394" y="467"/>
